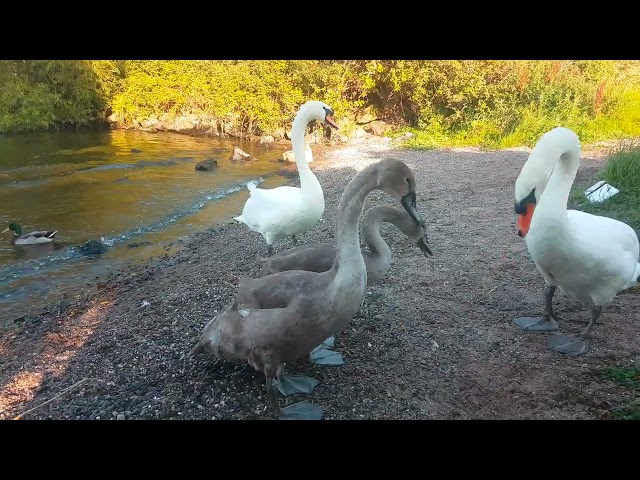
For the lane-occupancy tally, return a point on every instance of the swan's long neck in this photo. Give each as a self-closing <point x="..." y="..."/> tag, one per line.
<point x="347" y="230"/>
<point x="553" y="201"/>
<point x="371" y="230"/>
<point x="308" y="180"/>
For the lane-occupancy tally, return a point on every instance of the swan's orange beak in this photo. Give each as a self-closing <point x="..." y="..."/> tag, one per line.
<point x="331" y="122"/>
<point x="524" y="220"/>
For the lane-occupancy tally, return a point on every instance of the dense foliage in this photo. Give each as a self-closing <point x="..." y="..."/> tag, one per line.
<point x="494" y="103"/>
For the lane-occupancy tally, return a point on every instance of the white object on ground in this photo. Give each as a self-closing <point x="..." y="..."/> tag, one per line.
<point x="600" y="192"/>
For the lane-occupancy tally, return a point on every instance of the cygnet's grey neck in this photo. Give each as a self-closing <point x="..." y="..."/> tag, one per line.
<point x="371" y="230"/>
<point x="347" y="229"/>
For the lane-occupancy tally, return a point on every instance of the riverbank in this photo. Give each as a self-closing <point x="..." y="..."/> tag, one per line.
<point x="433" y="340"/>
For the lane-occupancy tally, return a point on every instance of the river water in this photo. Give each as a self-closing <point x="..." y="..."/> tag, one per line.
<point x="135" y="191"/>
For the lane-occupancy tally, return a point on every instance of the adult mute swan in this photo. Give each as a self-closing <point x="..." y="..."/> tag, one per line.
<point x="282" y="317"/>
<point x="591" y="258"/>
<point x="286" y="211"/>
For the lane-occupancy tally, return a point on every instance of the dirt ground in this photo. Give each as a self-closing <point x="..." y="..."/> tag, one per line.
<point x="433" y="340"/>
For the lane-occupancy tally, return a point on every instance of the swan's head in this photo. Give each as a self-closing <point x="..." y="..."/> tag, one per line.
<point x="316" y="110"/>
<point x="398" y="180"/>
<point x="537" y="170"/>
<point x="529" y="186"/>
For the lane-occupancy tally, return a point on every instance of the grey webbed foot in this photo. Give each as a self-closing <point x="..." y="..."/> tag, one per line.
<point x="301" y="411"/>
<point x="568" y="344"/>
<point x="324" y="355"/>
<point x="291" y="384"/>
<point x="537" y="324"/>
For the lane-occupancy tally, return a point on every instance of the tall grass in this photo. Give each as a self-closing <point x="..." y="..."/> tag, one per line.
<point x="622" y="170"/>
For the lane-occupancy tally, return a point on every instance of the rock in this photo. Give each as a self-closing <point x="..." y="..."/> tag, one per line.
<point x="377" y="127"/>
<point x="290" y="157"/>
<point x="93" y="247"/>
<point x="135" y="150"/>
<point x="121" y="417"/>
<point x="207" y="165"/>
<point x="138" y="244"/>
<point x="266" y="139"/>
<point x="239" y="155"/>
<point x="359" y="133"/>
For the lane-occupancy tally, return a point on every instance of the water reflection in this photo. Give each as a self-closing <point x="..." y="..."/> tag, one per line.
<point x="90" y="185"/>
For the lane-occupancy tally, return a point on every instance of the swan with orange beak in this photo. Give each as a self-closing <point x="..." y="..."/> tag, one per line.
<point x="590" y="257"/>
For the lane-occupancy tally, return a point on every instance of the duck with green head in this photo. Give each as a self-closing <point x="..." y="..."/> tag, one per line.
<point x="31" y="238"/>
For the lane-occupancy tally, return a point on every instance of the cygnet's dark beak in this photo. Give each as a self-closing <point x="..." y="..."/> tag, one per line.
<point x="409" y="203"/>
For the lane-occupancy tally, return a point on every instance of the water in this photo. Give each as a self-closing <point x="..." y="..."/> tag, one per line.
<point x="90" y="185"/>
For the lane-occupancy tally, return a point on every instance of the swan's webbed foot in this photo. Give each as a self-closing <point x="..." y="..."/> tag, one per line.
<point x="548" y="322"/>
<point x="301" y="411"/>
<point x="572" y="344"/>
<point x="297" y="411"/>
<point x="568" y="344"/>
<point x="291" y="384"/>
<point x="324" y="354"/>
<point x="545" y="323"/>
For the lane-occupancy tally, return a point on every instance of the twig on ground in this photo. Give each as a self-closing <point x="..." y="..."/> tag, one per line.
<point x="66" y="390"/>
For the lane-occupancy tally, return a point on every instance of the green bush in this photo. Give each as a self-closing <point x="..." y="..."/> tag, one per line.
<point x="490" y="103"/>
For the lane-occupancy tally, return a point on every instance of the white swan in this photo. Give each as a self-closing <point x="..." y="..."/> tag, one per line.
<point x="286" y="211"/>
<point x="591" y="258"/>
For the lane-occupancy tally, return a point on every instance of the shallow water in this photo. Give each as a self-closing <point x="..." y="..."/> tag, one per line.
<point x="90" y="185"/>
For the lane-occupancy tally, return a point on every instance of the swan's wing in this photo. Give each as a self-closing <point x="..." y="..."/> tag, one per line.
<point x="604" y="232"/>
<point x="267" y="208"/>
<point x="607" y="245"/>
<point x="278" y="290"/>
<point x="314" y="257"/>
<point x="262" y="337"/>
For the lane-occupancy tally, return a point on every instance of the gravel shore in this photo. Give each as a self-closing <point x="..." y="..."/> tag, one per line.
<point x="433" y="340"/>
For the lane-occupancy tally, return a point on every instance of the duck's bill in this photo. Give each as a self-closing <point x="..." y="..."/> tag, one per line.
<point x="331" y="122"/>
<point x="5" y="230"/>
<point x="408" y="201"/>
<point x="424" y="246"/>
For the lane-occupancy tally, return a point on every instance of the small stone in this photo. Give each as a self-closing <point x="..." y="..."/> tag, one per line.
<point x="121" y="417"/>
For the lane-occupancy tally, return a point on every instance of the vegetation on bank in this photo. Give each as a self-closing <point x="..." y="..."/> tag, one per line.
<point x="622" y="170"/>
<point x="627" y="377"/>
<point x="490" y="103"/>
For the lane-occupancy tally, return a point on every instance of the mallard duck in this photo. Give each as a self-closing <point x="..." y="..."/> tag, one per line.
<point x="31" y="238"/>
